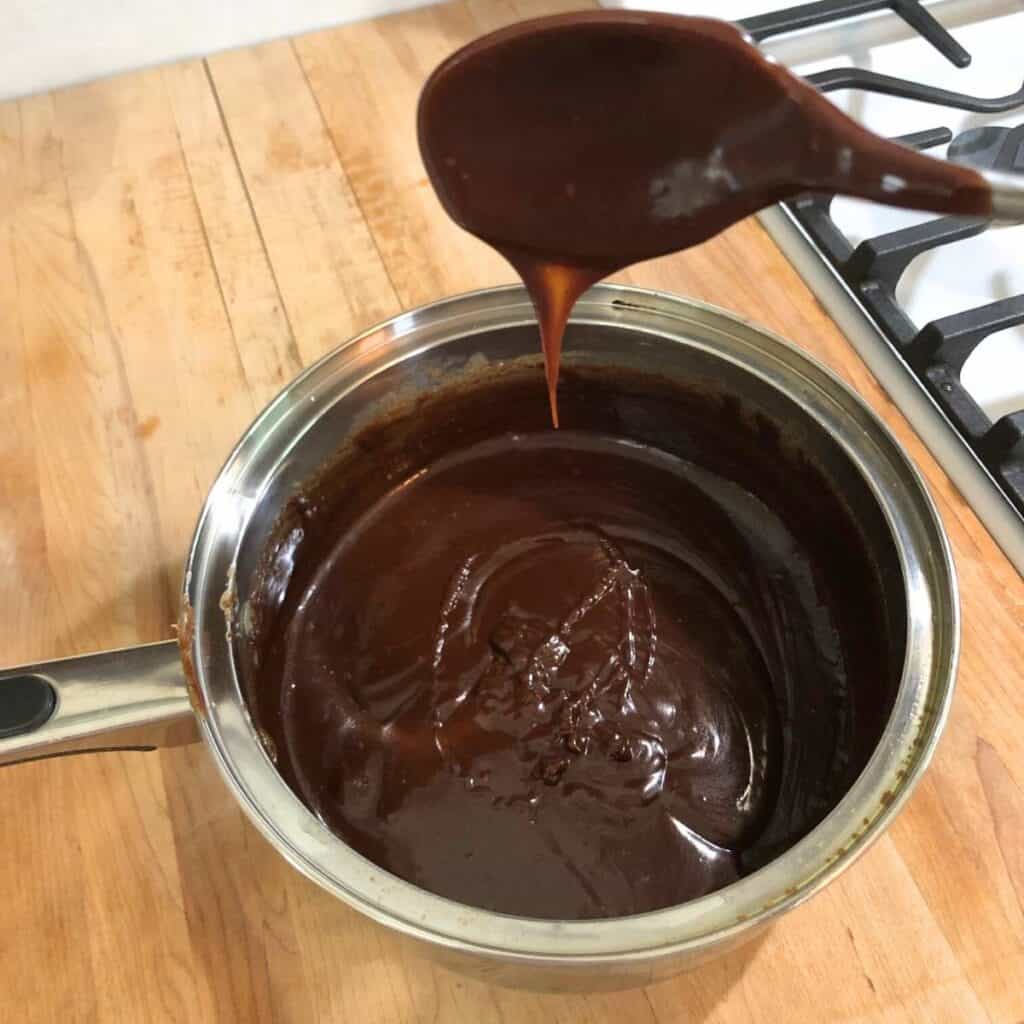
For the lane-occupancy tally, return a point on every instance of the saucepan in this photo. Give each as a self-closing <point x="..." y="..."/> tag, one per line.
<point x="167" y="693"/>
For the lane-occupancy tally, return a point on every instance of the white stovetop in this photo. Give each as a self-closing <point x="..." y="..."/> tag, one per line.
<point x="954" y="277"/>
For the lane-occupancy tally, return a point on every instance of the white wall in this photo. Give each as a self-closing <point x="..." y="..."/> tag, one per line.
<point x="49" y="43"/>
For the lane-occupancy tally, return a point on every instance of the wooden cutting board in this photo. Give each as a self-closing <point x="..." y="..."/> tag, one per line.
<point x="174" y="246"/>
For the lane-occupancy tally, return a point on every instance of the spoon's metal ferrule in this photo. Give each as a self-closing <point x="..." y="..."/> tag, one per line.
<point x="1007" y="196"/>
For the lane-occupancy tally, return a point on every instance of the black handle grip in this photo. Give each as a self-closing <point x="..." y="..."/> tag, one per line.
<point x="26" y="703"/>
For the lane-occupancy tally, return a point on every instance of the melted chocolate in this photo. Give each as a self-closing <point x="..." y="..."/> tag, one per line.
<point x="577" y="674"/>
<point x="580" y="144"/>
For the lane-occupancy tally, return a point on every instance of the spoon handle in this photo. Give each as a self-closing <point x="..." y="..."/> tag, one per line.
<point x="843" y="156"/>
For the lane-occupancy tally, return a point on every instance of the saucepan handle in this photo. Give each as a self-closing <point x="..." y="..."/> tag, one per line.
<point x="132" y="699"/>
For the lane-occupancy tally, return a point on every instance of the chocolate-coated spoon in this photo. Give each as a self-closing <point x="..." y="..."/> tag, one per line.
<point x="582" y="143"/>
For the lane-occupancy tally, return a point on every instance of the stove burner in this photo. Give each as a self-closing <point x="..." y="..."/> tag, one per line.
<point x="993" y="147"/>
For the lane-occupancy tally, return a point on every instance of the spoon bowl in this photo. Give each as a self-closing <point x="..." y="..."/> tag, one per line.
<point x="596" y="140"/>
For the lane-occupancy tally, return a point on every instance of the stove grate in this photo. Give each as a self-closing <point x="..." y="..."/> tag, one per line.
<point x="824" y="12"/>
<point x="934" y="354"/>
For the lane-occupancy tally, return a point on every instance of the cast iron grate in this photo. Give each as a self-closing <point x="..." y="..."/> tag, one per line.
<point x="936" y="353"/>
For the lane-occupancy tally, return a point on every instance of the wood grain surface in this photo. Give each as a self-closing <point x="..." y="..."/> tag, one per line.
<point x="175" y="244"/>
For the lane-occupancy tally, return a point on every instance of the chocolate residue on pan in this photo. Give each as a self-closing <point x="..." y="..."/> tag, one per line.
<point x="186" y="636"/>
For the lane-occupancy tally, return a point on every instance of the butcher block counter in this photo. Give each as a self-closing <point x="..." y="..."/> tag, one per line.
<point x="175" y="245"/>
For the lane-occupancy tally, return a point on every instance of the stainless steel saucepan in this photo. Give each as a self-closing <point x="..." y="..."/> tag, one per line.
<point x="157" y="694"/>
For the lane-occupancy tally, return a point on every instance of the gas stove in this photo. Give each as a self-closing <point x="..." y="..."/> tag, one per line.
<point x="934" y="305"/>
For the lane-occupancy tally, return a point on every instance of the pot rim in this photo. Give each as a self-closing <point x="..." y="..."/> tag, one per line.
<point x="901" y="756"/>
